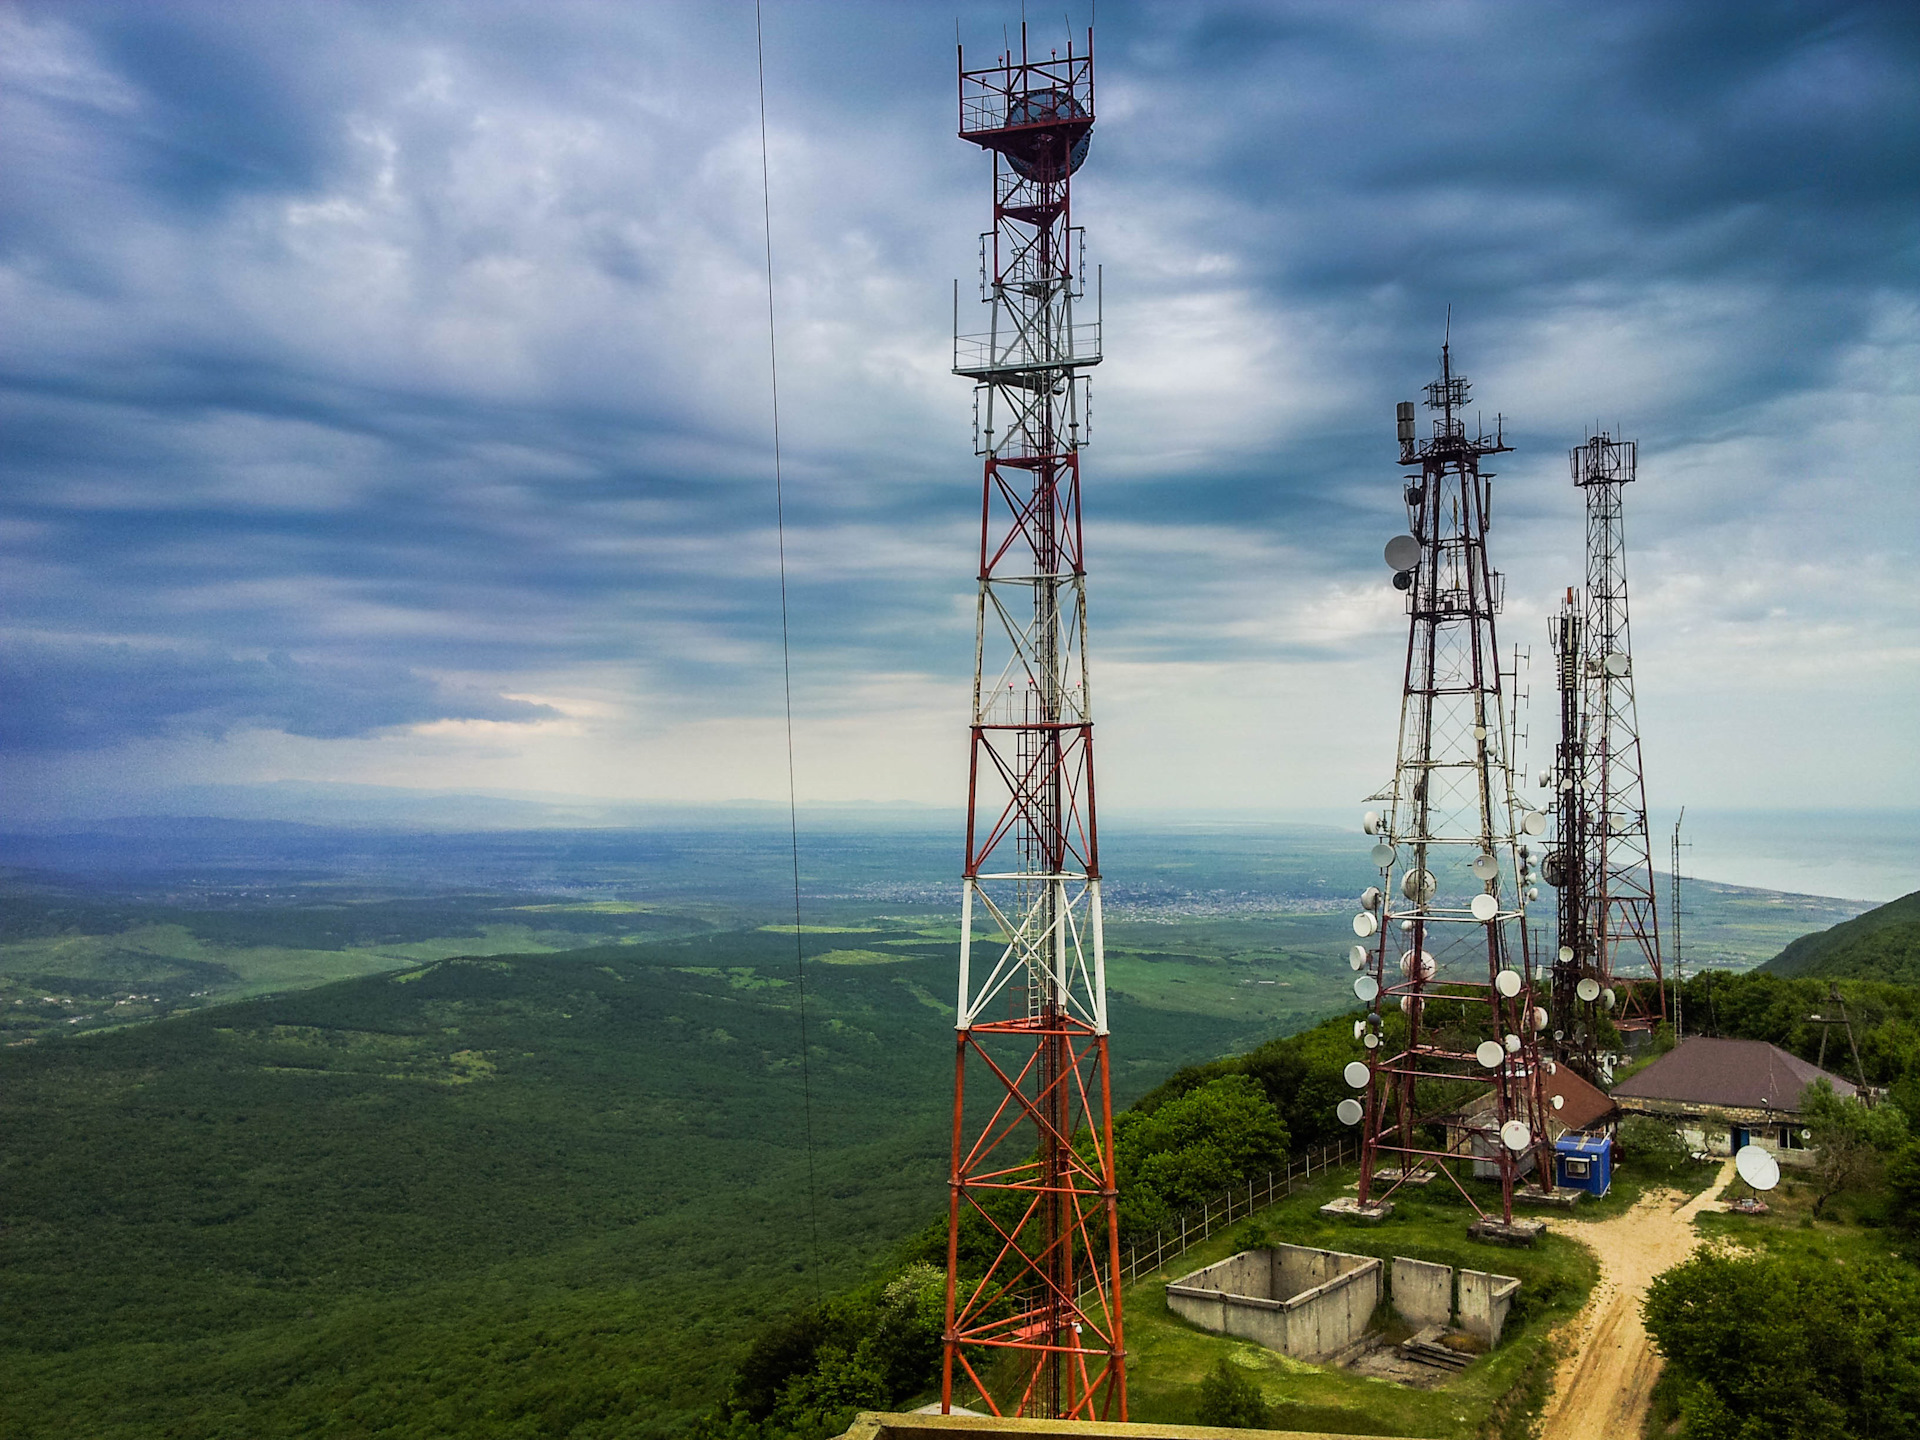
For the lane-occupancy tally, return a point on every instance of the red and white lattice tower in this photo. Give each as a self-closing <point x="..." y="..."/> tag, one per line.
<point x="1039" y="1334"/>
<point x="1444" y="934"/>
<point x="1622" y="916"/>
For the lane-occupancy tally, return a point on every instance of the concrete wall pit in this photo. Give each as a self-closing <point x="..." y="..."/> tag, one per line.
<point x="1484" y="1302"/>
<point x="1297" y="1300"/>
<point x="1422" y="1291"/>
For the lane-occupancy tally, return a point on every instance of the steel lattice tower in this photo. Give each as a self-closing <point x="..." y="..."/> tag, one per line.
<point x="1566" y="866"/>
<point x="1622" y="917"/>
<point x="1449" y="938"/>
<point x="1033" y="1174"/>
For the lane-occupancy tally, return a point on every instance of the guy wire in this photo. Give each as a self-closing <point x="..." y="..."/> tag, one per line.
<point x="786" y="654"/>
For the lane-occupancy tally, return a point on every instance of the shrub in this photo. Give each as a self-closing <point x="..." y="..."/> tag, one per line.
<point x="1228" y="1397"/>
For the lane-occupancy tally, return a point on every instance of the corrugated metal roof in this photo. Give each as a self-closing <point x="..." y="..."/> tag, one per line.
<point x="1585" y="1104"/>
<point x="1743" y="1074"/>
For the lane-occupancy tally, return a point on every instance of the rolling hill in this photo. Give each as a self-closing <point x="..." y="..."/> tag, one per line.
<point x="1883" y="944"/>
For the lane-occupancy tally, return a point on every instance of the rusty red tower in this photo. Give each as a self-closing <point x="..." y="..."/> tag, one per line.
<point x="1444" y="935"/>
<point x="1032" y="1184"/>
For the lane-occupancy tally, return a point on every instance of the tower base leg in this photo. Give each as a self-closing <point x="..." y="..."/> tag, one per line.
<point x="1518" y="1233"/>
<point x="1349" y="1208"/>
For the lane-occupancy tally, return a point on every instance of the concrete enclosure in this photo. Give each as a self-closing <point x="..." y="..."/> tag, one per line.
<point x="1302" y="1302"/>
<point x="1422" y="1291"/>
<point x="1484" y="1302"/>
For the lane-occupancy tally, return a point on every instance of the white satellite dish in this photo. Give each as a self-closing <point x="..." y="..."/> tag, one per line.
<point x="1370" y="898"/>
<point x="1356" y="1074"/>
<point x="1546" y="778"/>
<point x="1485" y="867"/>
<point x="1427" y="966"/>
<point x="1539" y="1017"/>
<point x="1757" y="1167"/>
<point x="1406" y="1004"/>
<point x="1370" y="822"/>
<point x="1382" y="856"/>
<point x="1512" y="1043"/>
<point x="1359" y="1028"/>
<point x="1553" y="1067"/>
<point x="1366" y="987"/>
<point x="1357" y="957"/>
<point x="1515" y="1135"/>
<point x="1588" y="989"/>
<point x="1370" y="1040"/>
<point x="1507" y="982"/>
<point x="1559" y="1102"/>
<point x="1533" y="892"/>
<point x="1349" y="1112"/>
<point x="1617" y="664"/>
<point x="1402" y="552"/>
<point x="1607" y="999"/>
<point x="1535" y="823"/>
<point x="1364" y="924"/>
<point x="1566" y="953"/>
<point x="1484" y="907"/>
<point x="1479" y="732"/>
<point x="1490" y="1054"/>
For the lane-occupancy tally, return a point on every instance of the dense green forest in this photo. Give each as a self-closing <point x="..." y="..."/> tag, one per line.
<point x="1883" y="944"/>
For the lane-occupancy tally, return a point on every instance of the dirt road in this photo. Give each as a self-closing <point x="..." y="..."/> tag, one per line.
<point x="1602" y="1388"/>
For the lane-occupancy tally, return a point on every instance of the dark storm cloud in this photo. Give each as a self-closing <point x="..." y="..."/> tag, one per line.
<point x="86" y="697"/>
<point x="408" y="338"/>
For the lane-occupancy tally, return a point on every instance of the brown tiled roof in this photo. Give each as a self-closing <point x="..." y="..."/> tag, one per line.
<point x="1586" y="1105"/>
<point x="1748" y="1074"/>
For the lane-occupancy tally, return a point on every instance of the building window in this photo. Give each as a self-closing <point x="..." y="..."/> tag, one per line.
<point x="1791" y="1138"/>
<point x="1577" y="1169"/>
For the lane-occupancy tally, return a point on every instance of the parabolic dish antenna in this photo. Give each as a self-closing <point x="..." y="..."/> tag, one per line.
<point x="1512" y="1042"/>
<point x="1047" y="155"/>
<point x="1370" y="1040"/>
<point x="1403" y="552"/>
<point x="1359" y="1028"/>
<point x="1366" y="987"/>
<point x="1559" y="1102"/>
<point x="1357" y="956"/>
<point x="1364" y="924"/>
<point x="1515" y="1135"/>
<point x="1370" y="822"/>
<point x="1617" y="663"/>
<point x="1566" y="953"/>
<point x="1507" y="982"/>
<point x="1757" y="1167"/>
<point x="1484" y="907"/>
<point x="1356" y="1074"/>
<point x="1417" y="886"/>
<point x="1535" y="823"/>
<point x="1588" y="989"/>
<point x="1349" y="1112"/>
<point x="1607" y="998"/>
<point x="1485" y="867"/>
<point x="1490" y="1054"/>
<point x="1382" y="856"/>
<point x="1539" y="1017"/>
<point x="1370" y="898"/>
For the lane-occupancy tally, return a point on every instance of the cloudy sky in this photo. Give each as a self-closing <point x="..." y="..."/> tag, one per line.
<point x="386" y="399"/>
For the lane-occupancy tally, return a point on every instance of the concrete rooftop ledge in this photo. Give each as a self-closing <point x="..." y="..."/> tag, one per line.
<point x="876" y="1425"/>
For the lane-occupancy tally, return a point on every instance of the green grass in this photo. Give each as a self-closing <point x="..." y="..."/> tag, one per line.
<point x="1168" y="1356"/>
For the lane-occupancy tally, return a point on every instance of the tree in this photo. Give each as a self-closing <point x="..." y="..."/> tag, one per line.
<point x="1228" y="1397"/>
<point x="1194" y="1147"/>
<point x="1790" y="1349"/>
<point x="1653" y="1145"/>
<point x="1849" y="1140"/>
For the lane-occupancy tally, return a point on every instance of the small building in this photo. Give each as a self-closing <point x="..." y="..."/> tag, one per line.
<point x="1308" y="1303"/>
<point x="1723" y="1094"/>
<point x="1583" y="1162"/>
<point x="1576" y="1107"/>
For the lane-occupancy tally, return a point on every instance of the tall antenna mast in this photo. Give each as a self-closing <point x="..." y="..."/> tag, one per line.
<point x="1040" y="1333"/>
<point x="1618" y="852"/>
<point x="1673" y="930"/>
<point x="1447" y="923"/>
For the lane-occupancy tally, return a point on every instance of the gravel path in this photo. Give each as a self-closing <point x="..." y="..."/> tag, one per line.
<point x="1602" y="1388"/>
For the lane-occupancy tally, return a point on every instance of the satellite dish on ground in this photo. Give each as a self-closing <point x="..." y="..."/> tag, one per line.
<point x="1349" y="1112"/>
<point x="1484" y="907"/>
<point x="1515" y="1135"/>
<point x="1588" y="989"/>
<point x="1402" y="553"/>
<point x="1490" y="1054"/>
<point x="1356" y="1074"/>
<point x="1757" y="1167"/>
<point x="1617" y="663"/>
<point x="1507" y="982"/>
<point x="1382" y="856"/>
<point x="1364" y="924"/>
<point x="1357" y="956"/>
<point x="1366" y="987"/>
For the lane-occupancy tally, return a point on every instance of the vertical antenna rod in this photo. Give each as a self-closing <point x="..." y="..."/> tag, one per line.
<point x="1040" y="1333"/>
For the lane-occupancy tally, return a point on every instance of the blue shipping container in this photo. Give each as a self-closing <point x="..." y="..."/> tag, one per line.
<point x="1583" y="1162"/>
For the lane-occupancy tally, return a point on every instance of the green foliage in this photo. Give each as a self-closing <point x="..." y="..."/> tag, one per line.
<point x="1765" y="1006"/>
<point x="1789" y="1348"/>
<point x="1229" y="1397"/>
<point x="1652" y="1147"/>
<point x="1191" y="1148"/>
<point x="1850" y="1141"/>
<point x="1883" y="944"/>
<point x="1903" y="1186"/>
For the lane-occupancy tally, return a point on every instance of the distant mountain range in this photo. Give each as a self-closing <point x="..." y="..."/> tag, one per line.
<point x="1883" y="944"/>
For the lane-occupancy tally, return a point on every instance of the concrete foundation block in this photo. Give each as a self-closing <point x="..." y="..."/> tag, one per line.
<point x="1521" y="1233"/>
<point x="1347" y="1207"/>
